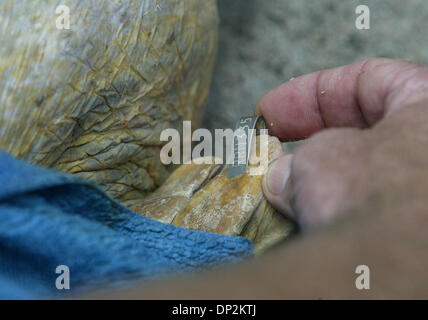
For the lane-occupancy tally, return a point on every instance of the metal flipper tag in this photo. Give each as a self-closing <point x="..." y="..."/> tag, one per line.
<point x="244" y="132"/>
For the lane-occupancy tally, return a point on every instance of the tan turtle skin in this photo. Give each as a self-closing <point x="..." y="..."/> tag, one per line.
<point x="92" y="100"/>
<point x="202" y="197"/>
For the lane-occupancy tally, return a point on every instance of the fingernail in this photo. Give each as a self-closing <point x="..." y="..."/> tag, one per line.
<point x="278" y="173"/>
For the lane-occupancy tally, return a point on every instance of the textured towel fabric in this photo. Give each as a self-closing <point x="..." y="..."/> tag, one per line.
<point x="49" y="219"/>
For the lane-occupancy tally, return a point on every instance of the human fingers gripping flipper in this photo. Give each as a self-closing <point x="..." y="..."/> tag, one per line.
<point x="330" y="171"/>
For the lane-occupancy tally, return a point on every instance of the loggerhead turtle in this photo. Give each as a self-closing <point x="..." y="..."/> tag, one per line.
<point x="92" y="100"/>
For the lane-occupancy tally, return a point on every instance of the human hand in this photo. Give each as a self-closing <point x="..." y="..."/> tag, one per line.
<point x="376" y="156"/>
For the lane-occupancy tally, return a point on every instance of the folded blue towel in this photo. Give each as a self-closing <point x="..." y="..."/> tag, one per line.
<point x="49" y="219"/>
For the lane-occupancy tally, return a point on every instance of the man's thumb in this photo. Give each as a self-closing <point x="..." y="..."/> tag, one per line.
<point x="276" y="186"/>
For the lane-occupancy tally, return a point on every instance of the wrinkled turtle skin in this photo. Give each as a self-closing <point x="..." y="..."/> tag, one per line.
<point x="93" y="100"/>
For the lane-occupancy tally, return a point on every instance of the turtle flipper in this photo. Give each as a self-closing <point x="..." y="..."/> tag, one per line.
<point x="195" y="197"/>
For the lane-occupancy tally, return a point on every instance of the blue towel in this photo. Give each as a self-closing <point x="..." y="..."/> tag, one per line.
<point x="48" y="219"/>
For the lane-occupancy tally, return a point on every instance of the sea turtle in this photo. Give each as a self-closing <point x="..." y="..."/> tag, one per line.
<point x="92" y="100"/>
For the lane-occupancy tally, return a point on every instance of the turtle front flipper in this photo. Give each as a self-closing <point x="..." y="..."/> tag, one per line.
<point x="166" y="202"/>
<point x="195" y="197"/>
